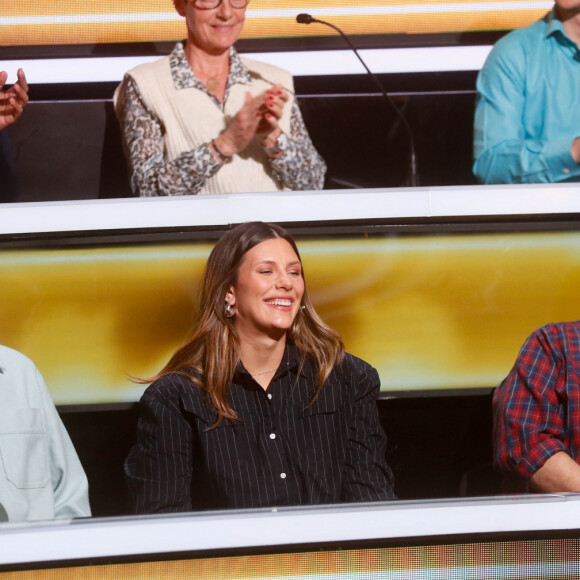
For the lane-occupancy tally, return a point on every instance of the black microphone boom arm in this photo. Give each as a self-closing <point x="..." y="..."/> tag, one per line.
<point x="304" y="18"/>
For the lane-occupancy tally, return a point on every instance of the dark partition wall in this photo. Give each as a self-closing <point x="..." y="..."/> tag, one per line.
<point x="439" y="446"/>
<point x="67" y="146"/>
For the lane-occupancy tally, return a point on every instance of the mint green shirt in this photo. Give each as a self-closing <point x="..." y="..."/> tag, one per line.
<point x="41" y="477"/>
<point x="528" y="107"/>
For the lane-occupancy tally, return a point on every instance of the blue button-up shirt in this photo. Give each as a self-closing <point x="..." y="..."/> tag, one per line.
<point x="528" y="107"/>
<point x="41" y="477"/>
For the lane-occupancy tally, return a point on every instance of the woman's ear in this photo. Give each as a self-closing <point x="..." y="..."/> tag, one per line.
<point x="230" y="296"/>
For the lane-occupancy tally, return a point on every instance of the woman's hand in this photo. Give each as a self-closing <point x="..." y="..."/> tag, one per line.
<point x="13" y="100"/>
<point x="243" y="127"/>
<point x="258" y="117"/>
<point x="269" y="129"/>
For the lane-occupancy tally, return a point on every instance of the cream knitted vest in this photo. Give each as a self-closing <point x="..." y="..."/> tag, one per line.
<point x="189" y="118"/>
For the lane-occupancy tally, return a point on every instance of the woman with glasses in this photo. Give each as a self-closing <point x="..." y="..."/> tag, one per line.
<point x="205" y="120"/>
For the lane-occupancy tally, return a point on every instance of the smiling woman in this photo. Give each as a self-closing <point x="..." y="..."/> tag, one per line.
<point x="205" y="120"/>
<point x="261" y="407"/>
<point x="265" y="300"/>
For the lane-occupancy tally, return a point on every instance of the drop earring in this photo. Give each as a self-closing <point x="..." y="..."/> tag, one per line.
<point x="229" y="310"/>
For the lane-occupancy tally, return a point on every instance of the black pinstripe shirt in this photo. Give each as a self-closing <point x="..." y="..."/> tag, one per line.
<point x="282" y="452"/>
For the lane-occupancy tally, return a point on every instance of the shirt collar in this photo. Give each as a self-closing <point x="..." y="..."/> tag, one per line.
<point x="290" y="361"/>
<point x="184" y="77"/>
<point x="554" y="27"/>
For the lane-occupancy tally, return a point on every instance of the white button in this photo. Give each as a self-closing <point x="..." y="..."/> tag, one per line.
<point x="283" y="475"/>
<point x="272" y="435"/>
<point x="269" y="395"/>
<point x="566" y="170"/>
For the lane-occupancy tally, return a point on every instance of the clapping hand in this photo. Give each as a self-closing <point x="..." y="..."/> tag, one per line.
<point x="274" y="102"/>
<point x="258" y="117"/>
<point x="13" y="100"/>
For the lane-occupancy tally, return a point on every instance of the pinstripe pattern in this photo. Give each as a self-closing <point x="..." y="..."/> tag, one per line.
<point x="537" y="406"/>
<point x="283" y="452"/>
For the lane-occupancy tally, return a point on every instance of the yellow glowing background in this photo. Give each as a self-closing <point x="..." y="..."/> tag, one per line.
<point x="481" y="559"/>
<point x="45" y="22"/>
<point x="447" y="311"/>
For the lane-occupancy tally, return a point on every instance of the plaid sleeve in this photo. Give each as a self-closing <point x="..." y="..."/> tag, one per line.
<point x="528" y="407"/>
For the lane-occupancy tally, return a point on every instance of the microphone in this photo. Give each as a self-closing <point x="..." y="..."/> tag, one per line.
<point x="304" y="18"/>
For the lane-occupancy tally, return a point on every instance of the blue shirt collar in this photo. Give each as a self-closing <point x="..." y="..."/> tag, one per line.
<point x="554" y="27"/>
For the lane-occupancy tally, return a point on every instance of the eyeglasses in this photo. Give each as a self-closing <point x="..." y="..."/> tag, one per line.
<point x="211" y="4"/>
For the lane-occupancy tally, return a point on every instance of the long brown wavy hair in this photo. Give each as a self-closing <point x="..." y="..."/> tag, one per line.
<point x="210" y="357"/>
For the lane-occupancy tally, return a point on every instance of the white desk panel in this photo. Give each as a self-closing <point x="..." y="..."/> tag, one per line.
<point x="288" y="207"/>
<point x="303" y="63"/>
<point x="234" y="530"/>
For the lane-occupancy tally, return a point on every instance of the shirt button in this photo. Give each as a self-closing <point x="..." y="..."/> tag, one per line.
<point x="269" y="395"/>
<point x="283" y="476"/>
<point x="272" y="435"/>
<point x="566" y="170"/>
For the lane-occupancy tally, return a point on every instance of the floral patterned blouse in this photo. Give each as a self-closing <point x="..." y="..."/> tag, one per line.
<point x="299" y="167"/>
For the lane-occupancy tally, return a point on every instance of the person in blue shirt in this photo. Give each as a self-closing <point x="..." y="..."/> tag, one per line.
<point x="527" y="117"/>
<point x="41" y="476"/>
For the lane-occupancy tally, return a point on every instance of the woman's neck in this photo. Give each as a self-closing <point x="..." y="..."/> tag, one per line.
<point x="211" y="69"/>
<point x="262" y="359"/>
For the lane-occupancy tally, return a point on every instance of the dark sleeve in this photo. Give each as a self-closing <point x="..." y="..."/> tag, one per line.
<point x="528" y="415"/>
<point x="9" y="189"/>
<point x="366" y="477"/>
<point x="159" y="466"/>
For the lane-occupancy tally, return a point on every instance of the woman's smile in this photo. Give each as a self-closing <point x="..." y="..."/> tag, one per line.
<point x="280" y="302"/>
<point x="268" y="290"/>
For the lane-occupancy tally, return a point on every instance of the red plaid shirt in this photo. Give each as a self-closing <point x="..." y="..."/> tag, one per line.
<point x="536" y="409"/>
